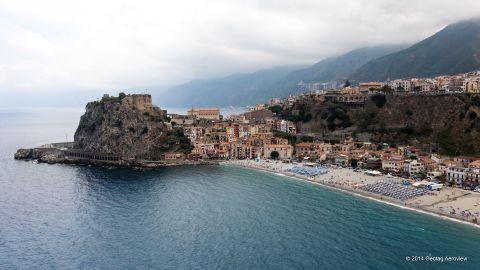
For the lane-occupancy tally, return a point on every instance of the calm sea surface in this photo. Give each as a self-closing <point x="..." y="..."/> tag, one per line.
<point x="210" y="217"/>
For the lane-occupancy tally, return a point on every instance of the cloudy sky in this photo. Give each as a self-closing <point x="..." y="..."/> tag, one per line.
<point x="95" y="45"/>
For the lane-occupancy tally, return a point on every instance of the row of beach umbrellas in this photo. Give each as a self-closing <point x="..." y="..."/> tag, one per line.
<point x="393" y="190"/>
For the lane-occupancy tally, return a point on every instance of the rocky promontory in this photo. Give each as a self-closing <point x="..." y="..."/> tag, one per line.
<point x="130" y="127"/>
<point x="126" y="130"/>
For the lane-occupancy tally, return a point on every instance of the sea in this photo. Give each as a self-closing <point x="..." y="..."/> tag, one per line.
<point x="199" y="217"/>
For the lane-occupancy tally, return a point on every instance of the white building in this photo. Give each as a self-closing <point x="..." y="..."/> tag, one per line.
<point x="456" y="174"/>
<point x="287" y="127"/>
<point x="392" y="165"/>
<point x="402" y="85"/>
<point x="413" y="167"/>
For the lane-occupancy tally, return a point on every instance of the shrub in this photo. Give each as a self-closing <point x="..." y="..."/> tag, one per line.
<point x="379" y="100"/>
<point x="407" y="130"/>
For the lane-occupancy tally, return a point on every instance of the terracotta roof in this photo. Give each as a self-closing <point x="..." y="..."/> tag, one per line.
<point x="276" y="145"/>
<point x="304" y="144"/>
<point x="476" y="163"/>
<point x="467" y="157"/>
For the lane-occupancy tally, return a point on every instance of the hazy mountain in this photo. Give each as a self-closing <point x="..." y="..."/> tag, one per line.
<point x="237" y="89"/>
<point x="455" y="49"/>
<point x="331" y="69"/>
<point x="247" y="89"/>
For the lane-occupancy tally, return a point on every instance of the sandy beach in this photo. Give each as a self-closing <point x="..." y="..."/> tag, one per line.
<point x="452" y="203"/>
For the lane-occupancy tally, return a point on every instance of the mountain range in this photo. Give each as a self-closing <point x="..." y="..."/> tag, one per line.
<point x="454" y="49"/>
<point x="236" y="89"/>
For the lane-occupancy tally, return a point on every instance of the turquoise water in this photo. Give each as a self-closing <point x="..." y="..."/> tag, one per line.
<point x="206" y="217"/>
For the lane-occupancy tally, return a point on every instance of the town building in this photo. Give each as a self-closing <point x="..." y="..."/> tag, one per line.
<point x="472" y="174"/>
<point x="285" y="151"/>
<point x="456" y="175"/>
<point x="367" y="86"/>
<point x="205" y="113"/>
<point x="392" y="165"/>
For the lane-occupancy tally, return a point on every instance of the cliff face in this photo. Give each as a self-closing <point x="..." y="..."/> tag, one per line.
<point x="129" y="127"/>
<point x="451" y="122"/>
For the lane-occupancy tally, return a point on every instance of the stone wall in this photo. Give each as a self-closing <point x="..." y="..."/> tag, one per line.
<point x="139" y="102"/>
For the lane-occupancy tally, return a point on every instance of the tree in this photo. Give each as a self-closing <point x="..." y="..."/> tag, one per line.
<point x="386" y="89"/>
<point x="354" y="163"/>
<point x="441" y="178"/>
<point x="274" y="154"/>
<point x="379" y="100"/>
<point x="121" y="95"/>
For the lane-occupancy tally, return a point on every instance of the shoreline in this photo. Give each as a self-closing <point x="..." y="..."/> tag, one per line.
<point x="52" y="155"/>
<point x="363" y="194"/>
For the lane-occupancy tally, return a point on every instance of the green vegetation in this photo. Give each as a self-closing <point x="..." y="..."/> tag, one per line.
<point x="336" y="116"/>
<point x="175" y="140"/>
<point x="297" y="114"/>
<point x="305" y="139"/>
<point x="292" y="139"/>
<point x="379" y="100"/>
<point x="385" y="89"/>
<point x="409" y="130"/>
<point x="442" y="179"/>
<point x="364" y="119"/>
<point x="475" y="101"/>
<point x="111" y="99"/>
<point x="446" y="142"/>
<point x="354" y="163"/>
<point x="451" y="147"/>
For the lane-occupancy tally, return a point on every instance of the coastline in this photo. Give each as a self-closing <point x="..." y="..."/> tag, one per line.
<point x="55" y="155"/>
<point x="364" y="194"/>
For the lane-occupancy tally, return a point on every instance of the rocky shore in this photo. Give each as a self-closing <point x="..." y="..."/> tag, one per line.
<point x="45" y="155"/>
<point x="53" y="156"/>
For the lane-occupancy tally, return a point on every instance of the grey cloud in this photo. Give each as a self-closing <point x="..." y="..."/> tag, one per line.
<point x="105" y="45"/>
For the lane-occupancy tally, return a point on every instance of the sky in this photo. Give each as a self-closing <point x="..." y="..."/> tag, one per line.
<point x="52" y="47"/>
